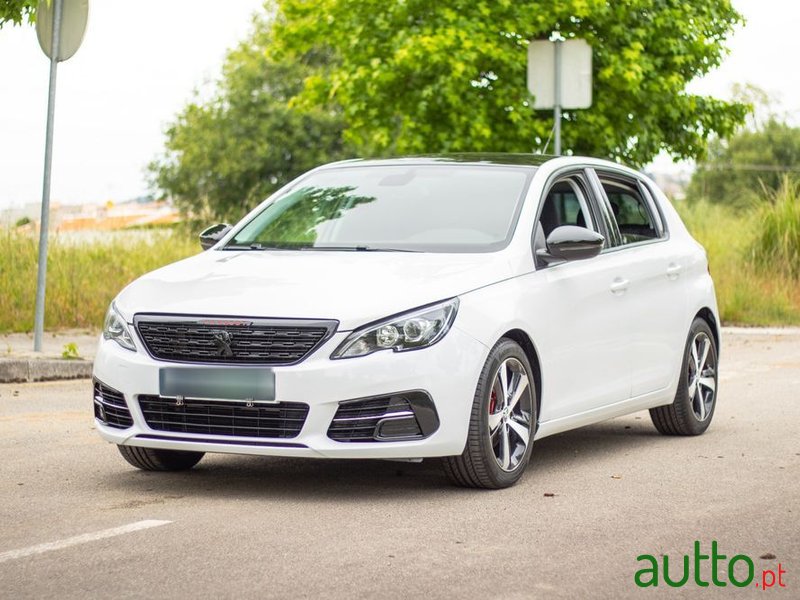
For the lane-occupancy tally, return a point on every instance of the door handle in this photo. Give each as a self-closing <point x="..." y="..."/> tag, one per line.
<point x="673" y="271"/>
<point x="619" y="285"/>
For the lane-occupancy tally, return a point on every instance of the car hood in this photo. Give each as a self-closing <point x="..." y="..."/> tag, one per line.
<point x="352" y="287"/>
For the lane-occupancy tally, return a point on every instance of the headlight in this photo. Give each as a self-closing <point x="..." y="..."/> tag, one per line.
<point x="417" y="329"/>
<point x="115" y="328"/>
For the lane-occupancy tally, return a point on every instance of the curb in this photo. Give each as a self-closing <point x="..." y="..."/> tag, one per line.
<point x="734" y="330"/>
<point x="28" y="370"/>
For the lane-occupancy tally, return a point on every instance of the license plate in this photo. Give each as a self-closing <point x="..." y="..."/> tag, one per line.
<point x="218" y="383"/>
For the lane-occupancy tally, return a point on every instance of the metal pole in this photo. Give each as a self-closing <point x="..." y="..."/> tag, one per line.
<point x="44" y="224"/>
<point x="557" y="97"/>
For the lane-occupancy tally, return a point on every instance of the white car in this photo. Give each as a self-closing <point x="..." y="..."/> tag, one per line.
<point x="459" y="307"/>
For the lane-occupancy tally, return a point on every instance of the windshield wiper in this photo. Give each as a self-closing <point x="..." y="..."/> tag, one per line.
<point x="358" y="248"/>
<point x="242" y="247"/>
<point x="260" y="246"/>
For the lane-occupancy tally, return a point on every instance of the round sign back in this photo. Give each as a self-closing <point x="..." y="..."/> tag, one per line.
<point x="74" y="15"/>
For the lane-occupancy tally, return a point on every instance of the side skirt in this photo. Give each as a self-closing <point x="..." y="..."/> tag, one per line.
<point x="610" y="411"/>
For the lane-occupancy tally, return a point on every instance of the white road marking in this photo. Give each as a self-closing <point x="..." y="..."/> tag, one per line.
<point x="80" y="539"/>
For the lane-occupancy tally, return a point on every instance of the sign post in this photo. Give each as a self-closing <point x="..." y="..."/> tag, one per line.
<point x="60" y="25"/>
<point x="560" y="76"/>
<point x="557" y="95"/>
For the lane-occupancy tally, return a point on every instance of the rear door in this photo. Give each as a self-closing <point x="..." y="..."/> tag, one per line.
<point x="653" y="284"/>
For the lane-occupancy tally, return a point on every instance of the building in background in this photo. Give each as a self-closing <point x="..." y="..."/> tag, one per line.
<point x="138" y="212"/>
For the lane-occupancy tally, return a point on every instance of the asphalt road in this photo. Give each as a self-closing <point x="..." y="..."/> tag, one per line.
<point x="247" y="527"/>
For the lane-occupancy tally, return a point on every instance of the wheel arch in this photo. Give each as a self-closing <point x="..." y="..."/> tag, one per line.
<point x="707" y="315"/>
<point x="527" y="345"/>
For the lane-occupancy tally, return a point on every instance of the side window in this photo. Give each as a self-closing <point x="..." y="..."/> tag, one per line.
<point x="564" y="204"/>
<point x="655" y="210"/>
<point x="631" y="211"/>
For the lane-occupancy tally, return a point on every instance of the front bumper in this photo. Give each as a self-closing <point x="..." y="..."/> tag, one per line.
<point x="447" y="371"/>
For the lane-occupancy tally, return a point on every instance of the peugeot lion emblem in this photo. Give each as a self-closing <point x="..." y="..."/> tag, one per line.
<point x="223" y="340"/>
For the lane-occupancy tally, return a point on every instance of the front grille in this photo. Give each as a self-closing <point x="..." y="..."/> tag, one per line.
<point x="110" y="407"/>
<point x="253" y="342"/>
<point x="384" y="419"/>
<point x="227" y="418"/>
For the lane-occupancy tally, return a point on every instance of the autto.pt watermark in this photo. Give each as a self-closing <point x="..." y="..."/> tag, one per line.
<point x="694" y="569"/>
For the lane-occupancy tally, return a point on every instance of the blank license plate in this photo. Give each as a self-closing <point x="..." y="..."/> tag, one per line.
<point x="218" y="383"/>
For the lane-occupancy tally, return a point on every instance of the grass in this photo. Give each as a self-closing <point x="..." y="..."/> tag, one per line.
<point x="84" y="273"/>
<point x="750" y="260"/>
<point x="778" y="240"/>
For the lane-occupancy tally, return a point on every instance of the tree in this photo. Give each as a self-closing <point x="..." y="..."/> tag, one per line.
<point x="17" y="11"/>
<point x="740" y="170"/>
<point x="226" y="154"/>
<point x="419" y="76"/>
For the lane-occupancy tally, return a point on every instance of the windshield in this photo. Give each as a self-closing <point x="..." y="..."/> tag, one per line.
<point x="423" y="208"/>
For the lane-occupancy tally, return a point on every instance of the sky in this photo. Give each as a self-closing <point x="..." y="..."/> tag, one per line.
<point x="141" y="61"/>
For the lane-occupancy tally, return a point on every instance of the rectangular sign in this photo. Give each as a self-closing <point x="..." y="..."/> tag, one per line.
<point x="576" y="73"/>
<point x="218" y="383"/>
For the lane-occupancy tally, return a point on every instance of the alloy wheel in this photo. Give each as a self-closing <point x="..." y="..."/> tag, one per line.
<point x="702" y="373"/>
<point x="510" y="410"/>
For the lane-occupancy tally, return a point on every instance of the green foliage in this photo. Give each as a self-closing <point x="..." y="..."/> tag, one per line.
<point x="225" y="155"/>
<point x="319" y="80"/>
<point x="70" y="351"/>
<point x="737" y="171"/>
<point x="17" y="11"/>
<point x="83" y="275"/>
<point x="777" y="243"/>
<point x="417" y="76"/>
<point x="22" y="222"/>
<point x="748" y="292"/>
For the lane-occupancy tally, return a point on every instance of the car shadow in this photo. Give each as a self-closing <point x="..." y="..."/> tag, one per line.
<point x="593" y="443"/>
<point x="238" y="476"/>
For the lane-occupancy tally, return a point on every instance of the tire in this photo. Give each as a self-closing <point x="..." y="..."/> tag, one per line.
<point x="155" y="459"/>
<point x="696" y="397"/>
<point x="488" y="462"/>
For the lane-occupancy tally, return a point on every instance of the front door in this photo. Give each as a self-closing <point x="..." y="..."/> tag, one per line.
<point x="586" y="349"/>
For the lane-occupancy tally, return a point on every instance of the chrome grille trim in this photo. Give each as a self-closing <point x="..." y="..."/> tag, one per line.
<point x="403" y="416"/>
<point x="110" y="407"/>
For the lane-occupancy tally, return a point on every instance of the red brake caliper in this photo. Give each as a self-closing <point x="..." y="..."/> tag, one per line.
<point x="492" y="402"/>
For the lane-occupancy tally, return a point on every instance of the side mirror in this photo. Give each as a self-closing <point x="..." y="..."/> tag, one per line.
<point x="213" y="234"/>
<point x="569" y="242"/>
